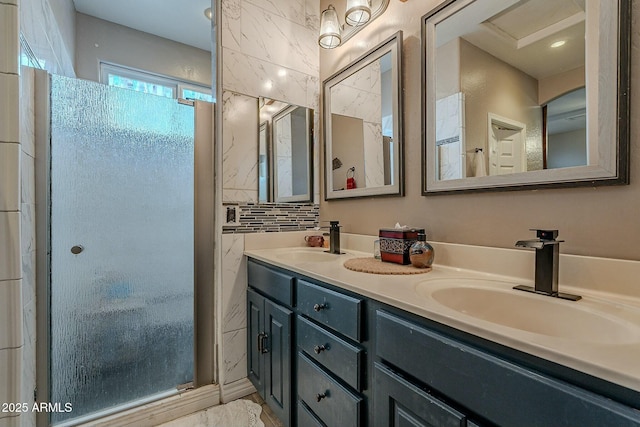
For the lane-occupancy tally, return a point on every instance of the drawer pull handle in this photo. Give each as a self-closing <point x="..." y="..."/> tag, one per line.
<point x="321" y="396"/>
<point x="318" y="307"/>
<point x="320" y="348"/>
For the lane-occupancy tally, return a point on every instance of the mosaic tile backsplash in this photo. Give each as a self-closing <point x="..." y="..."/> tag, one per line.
<point x="274" y="217"/>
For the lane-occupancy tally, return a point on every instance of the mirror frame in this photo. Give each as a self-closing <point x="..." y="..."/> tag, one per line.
<point x="391" y="45"/>
<point x="613" y="162"/>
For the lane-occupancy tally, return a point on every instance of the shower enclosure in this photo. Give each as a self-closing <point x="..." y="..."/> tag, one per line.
<point x="121" y="244"/>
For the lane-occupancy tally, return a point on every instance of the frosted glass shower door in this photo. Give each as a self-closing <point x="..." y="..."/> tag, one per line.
<point x="121" y="291"/>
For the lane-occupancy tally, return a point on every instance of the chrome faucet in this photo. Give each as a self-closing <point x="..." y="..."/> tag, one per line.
<point x="547" y="262"/>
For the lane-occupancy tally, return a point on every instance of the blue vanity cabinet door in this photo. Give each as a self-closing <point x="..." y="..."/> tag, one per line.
<point x="498" y="390"/>
<point x="278" y="324"/>
<point x="255" y="327"/>
<point x="269" y="360"/>
<point x="398" y="403"/>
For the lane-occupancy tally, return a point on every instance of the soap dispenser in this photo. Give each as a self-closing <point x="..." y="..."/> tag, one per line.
<point x="421" y="253"/>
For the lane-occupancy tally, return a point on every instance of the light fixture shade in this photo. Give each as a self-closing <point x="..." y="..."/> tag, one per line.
<point x="329" y="29"/>
<point x="208" y="13"/>
<point x="358" y="12"/>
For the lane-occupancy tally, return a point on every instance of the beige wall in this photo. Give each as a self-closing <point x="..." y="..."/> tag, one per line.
<point x="555" y="86"/>
<point x="345" y="130"/>
<point x="124" y="46"/>
<point x="594" y="221"/>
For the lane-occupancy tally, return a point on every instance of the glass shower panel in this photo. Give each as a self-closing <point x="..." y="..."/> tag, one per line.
<point x="121" y="246"/>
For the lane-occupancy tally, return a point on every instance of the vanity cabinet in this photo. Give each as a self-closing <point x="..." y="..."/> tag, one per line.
<point x="305" y="354"/>
<point x="334" y="358"/>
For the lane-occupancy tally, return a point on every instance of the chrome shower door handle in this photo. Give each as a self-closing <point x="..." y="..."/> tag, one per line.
<point x="77" y="249"/>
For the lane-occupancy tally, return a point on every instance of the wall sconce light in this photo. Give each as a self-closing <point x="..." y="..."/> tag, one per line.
<point x="329" y="29"/>
<point x="358" y="12"/>
<point x="208" y="13"/>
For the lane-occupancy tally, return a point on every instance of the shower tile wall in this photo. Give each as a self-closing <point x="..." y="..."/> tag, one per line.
<point x="44" y="44"/>
<point x="28" y="238"/>
<point x="268" y="49"/>
<point x="11" y="336"/>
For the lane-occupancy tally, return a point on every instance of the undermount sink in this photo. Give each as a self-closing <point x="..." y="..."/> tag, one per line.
<point x="494" y="301"/>
<point x="307" y="255"/>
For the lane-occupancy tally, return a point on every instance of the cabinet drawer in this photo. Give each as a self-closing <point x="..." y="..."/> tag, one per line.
<point x="397" y="403"/>
<point x="466" y="375"/>
<point x="335" y="354"/>
<point x="333" y="309"/>
<point x="334" y="404"/>
<point x="306" y="418"/>
<point x="276" y="284"/>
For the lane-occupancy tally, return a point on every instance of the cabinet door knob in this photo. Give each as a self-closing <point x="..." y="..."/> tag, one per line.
<point x="318" y="307"/>
<point x="320" y="348"/>
<point x="321" y="396"/>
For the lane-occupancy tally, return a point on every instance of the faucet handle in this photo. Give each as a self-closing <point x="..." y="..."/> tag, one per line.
<point x="545" y="234"/>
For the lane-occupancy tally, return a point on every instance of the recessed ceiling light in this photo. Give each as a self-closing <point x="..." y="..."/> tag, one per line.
<point x="558" y="43"/>
<point x="208" y="13"/>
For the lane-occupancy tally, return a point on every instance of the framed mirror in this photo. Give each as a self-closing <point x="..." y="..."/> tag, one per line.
<point x="525" y="94"/>
<point x="285" y="154"/>
<point x="363" y="125"/>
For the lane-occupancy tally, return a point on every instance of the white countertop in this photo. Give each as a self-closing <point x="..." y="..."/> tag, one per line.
<point x="617" y="361"/>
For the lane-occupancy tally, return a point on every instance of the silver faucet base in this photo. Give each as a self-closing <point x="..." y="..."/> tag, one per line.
<point x="561" y="295"/>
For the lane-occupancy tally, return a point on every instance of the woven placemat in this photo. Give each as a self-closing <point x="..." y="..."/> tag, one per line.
<point x="375" y="266"/>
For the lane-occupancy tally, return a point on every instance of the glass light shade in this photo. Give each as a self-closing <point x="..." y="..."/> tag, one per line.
<point x="208" y="13"/>
<point x="358" y="12"/>
<point x="329" y="29"/>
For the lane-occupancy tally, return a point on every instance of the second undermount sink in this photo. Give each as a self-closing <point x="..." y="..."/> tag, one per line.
<point x="590" y="321"/>
<point x="307" y="255"/>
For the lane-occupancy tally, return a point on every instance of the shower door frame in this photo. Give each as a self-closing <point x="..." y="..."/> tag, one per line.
<point x="205" y="360"/>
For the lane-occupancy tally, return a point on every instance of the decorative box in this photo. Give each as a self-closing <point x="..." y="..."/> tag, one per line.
<point x="396" y="242"/>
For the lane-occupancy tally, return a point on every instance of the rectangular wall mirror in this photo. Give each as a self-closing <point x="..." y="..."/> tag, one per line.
<point x="525" y="94"/>
<point x="285" y="154"/>
<point x="363" y="125"/>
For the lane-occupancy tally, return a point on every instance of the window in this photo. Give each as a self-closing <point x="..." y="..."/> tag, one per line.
<point x="127" y="78"/>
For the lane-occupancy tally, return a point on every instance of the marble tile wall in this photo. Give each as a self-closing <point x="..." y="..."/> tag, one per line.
<point x="450" y="136"/>
<point x="36" y="22"/>
<point x="11" y="310"/>
<point x="268" y="48"/>
<point x="240" y="147"/>
<point x="28" y="239"/>
<point x="234" y="309"/>
<point x="40" y="29"/>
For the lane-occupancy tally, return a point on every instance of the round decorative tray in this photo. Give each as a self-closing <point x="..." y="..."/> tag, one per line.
<point x="375" y="266"/>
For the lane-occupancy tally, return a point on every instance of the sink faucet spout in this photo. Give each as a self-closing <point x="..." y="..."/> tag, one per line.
<point x="547" y="262"/>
